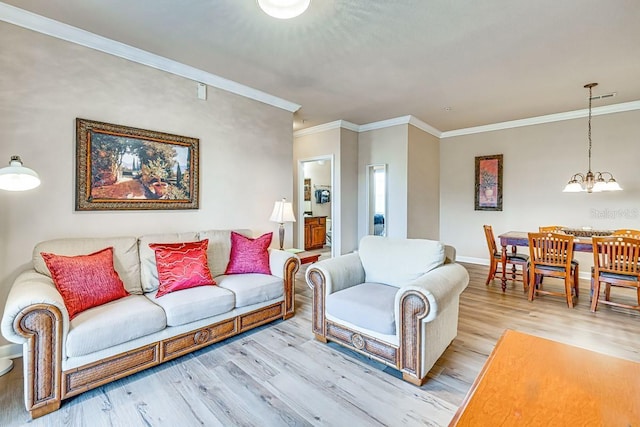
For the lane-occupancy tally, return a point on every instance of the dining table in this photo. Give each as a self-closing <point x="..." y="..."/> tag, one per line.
<point x="521" y="238"/>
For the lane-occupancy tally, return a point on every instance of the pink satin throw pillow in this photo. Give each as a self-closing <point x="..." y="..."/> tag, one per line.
<point x="182" y="266"/>
<point x="249" y="255"/>
<point x="85" y="281"/>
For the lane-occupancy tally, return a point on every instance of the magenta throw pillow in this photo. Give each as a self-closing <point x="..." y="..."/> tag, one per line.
<point x="249" y="255"/>
<point x="182" y="266"/>
<point x="85" y="281"/>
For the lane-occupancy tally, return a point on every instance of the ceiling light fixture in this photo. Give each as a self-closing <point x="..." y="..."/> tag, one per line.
<point x="284" y="9"/>
<point x="591" y="182"/>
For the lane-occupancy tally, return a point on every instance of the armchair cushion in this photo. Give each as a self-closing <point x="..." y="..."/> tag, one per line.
<point x="397" y="262"/>
<point x="368" y="305"/>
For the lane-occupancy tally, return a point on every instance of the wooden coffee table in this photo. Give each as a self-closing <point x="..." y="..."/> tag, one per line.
<point x="532" y="381"/>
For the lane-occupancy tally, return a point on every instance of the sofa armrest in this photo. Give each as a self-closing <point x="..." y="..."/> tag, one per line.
<point x="30" y="289"/>
<point x="35" y="315"/>
<point x="285" y="265"/>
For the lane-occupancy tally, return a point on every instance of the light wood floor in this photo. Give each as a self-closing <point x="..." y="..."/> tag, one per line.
<point x="279" y="375"/>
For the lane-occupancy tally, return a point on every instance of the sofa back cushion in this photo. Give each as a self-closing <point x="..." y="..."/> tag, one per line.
<point x="219" y="249"/>
<point x="148" y="268"/>
<point x="125" y="256"/>
<point x="397" y="262"/>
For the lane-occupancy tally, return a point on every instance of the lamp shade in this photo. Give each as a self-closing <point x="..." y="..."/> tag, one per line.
<point x="16" y="177"/>
<point x="284" y="9"/>
<point x="282" y="212"/>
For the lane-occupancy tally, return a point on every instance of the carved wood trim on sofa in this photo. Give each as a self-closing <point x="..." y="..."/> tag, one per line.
<point x="41" y="325"/>
<point x="48" y="385"/>
<point x="414" y="306"/>
<point x="317" y="279"/>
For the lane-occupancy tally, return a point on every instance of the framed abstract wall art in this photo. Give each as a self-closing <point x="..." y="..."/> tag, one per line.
<point x="488" y="190"/>
<point x="125" y="168"/>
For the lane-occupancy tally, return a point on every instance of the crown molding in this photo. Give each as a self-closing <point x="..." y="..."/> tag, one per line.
<point x="569" y="115"/>
<point x="50" y="27"/>
<point x="327" y="126"/>
<point x="424" y="126"/>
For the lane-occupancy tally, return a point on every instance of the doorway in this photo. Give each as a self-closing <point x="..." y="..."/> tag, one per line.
<point x="317" y="225"/>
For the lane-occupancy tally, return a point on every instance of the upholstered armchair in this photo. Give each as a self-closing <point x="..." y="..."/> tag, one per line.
<point x="394" y="300"/>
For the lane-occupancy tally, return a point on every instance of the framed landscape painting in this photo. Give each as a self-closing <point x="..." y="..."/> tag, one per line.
<point x="488" y="194"/>
<point x="125" y="168"/>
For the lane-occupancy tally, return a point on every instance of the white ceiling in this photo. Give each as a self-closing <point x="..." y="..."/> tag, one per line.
<point x="368" y="60"/>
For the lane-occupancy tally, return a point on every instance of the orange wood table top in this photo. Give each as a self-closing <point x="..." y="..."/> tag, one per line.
<point x="532" y="381"/>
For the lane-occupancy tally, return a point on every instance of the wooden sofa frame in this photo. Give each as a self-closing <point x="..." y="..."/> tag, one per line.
<point x="48" y="384"/>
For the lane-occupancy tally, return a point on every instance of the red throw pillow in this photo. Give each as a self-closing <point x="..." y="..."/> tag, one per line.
<point x="182" y="266"/>
<point x="85" y="281"/>
<point x="249" y="255"/>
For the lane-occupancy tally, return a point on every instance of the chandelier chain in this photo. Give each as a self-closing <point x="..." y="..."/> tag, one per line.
<point x="590" y="96"/>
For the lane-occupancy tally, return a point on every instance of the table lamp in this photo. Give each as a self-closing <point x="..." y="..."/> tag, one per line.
<point x="16" y="177"/>
<point x="282" y="212"/>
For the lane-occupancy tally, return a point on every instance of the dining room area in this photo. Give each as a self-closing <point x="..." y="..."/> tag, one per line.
<point x="548" y="253"/>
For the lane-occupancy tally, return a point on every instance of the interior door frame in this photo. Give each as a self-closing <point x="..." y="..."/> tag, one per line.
<point x="335" y="220"/>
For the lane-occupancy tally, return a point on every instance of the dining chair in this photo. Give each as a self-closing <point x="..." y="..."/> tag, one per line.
<point x="514" y="259"/>
<point x="615" y="263"/>
<point x="550" y="255"/>
<point x="551" y="228"/>
<point x="556" y="229"/>
<point x="627" y="233"/>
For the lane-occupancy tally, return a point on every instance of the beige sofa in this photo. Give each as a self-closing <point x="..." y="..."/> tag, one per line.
<point x="63" y="357"/>
<point x="394" y="300"/>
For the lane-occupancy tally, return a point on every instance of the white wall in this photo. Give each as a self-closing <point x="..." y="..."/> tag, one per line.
<point x="538" y="162"/>
<point x="423" y="185"/>
<point x="45" y="83"/>
<point x="385" y="146"/>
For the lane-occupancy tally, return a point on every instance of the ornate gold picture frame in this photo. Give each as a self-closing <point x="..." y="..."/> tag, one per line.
<point x="125" y="168"/>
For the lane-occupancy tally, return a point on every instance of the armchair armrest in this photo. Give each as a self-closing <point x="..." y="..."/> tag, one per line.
<point x="285" y="265"/>
<point x="427" y="318"/>
<point x="326" y="277"/>
<point x="335" y="274"/>
<point x="440" y="287"/>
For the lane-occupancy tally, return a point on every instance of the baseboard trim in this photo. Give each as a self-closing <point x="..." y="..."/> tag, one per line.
<point x="584" y="275"/>
<point x="10" y="351"/>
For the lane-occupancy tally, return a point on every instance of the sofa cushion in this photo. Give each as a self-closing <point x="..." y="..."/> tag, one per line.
<point x="85" y="281"/>
<point x="219" y="248"/>
<point x="189" y="305"/>
<point x="181" y="266"/>
<point x="113" y="323"/>
<point x="252" y="288"/>
<point x="249" y="255"/>
<point x="148" y="269"/>
<point x="368" y="305"/>
<point x="397" y="262"/>
<point x="125" y="256"/>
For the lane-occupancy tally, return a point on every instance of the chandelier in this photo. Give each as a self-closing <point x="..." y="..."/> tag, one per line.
<point x="591" y="182"/>
<point x="284" y="9"/>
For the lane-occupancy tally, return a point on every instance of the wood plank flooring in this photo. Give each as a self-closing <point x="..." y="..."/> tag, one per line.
<point x="279" y="375"/>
